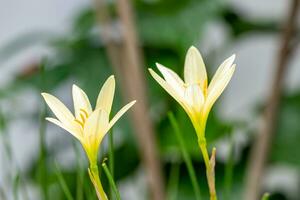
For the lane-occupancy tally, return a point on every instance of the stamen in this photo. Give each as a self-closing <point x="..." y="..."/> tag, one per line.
<point x="79" y="122"/>
<point x="82" y="118"/>
<point x="85" y="113"/>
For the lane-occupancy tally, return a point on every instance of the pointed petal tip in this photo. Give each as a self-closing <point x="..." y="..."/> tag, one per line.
<point x="75" y="87"/>
<point x="130" y="104"/>
<point x="232" y="57"/>
<point x="111" y="80"/>
<point x="45" y="95"/>
<point x="151" y="71"/>
<point x="111" y="77"/>
<point x="158" y="65"/>
<point x="50" y="119"/>
<point x="193" y="49"/>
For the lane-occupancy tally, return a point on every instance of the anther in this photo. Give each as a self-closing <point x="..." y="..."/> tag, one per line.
<point x="79" y="122"/>
<point x="85" y="113"/>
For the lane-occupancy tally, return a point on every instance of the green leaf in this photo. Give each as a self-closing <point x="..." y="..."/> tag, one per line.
<point x="287" y="133"/>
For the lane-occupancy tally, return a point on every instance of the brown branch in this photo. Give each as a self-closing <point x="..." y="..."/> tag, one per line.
<point x="127" y="60"/>
<point x="261" y="149"/>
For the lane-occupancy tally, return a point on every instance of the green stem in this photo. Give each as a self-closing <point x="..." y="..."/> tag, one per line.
<point x="173" y="182"/>
<point x="185" y="155"/>
<point x="111" y="158"/>
<point x="210" y="170"/>
<point x="94" y="176"/>
<point x="111" y="153"/>
<point x="111" y="181"/>
<point x="80" y="174"/>
<point x="42" y="171"/>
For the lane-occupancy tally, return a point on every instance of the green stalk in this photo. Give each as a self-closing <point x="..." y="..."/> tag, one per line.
<point x="80" y="174"/>
<point x="16" y="186"/>
<point x="210" y="171"/>
<point x="173" y="182"/>
<point x="94" y="176"/>
<point x="209" y="163"/>
<point x="111" y="158"/>
<point x="111" y="181"/>
<point x="185" y="155"/>
<point x="111" y="152"/>
<point x="42" y="172"/>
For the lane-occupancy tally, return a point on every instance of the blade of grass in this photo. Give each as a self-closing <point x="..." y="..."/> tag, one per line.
<point x="79" y="173"/>
<point x="89" y="192"/>
<point x="186" y="156"/>
<point x="111" y="181"/>
<point x="62" y="182"/>
<point x="229" y="167"/>
<point x="16" y="186"/>
<point x="173" y="182"/>
<point x="42" y="171"/>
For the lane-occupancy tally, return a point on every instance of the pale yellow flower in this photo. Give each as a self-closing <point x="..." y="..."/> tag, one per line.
<point x="88" y="126"/>
<point x="193" y="93"/>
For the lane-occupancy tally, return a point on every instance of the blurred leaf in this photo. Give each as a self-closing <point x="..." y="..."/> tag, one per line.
<point x="240" y="25"/>
<point x="62" y="182"/>
<point x="178" y="29"/>
<point x="284" y="148"/>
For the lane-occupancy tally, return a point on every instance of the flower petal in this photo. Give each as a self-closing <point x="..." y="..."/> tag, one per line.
<point x="218" y="86"/>
<point x="172" y="78"/>
<point x="223" y="68"/>
<point x="119" y="114"/>
<point x="81" y="101"/>
<point x="194" y="96"/>
<point x="94" y="127"/>
<point x="75" y="131"/>
<point x="59" y="109"/>
<point x="106" y="95"/>
<point x="167" y="87"/>
<point x="194" y="68"/>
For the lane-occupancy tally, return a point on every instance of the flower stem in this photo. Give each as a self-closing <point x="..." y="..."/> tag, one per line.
<point x="94" y="176"/>
<point x="209" y="162"/>
<point x="210" y="167"/>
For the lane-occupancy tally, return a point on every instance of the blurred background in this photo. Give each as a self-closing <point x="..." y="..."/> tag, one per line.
<point x="48" y="45"/>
